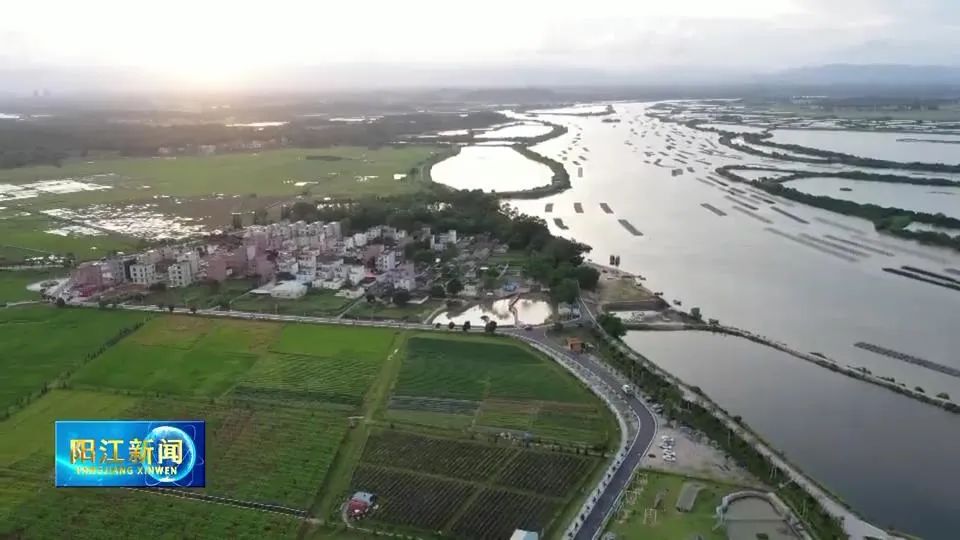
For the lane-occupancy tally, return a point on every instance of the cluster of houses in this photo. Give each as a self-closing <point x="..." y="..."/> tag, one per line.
<point x="286" y="258"/>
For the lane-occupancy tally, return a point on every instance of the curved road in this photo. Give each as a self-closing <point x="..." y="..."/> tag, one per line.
<point x="643" y="435"/>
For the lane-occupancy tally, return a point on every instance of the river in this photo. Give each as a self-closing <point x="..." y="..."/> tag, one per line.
<point x="760" y="270"/>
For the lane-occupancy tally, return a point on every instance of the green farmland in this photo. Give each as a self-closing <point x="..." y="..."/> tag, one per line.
<point x="339" y="172"/>
<point x="206" y="189"/>
<point x="297" y="415"/>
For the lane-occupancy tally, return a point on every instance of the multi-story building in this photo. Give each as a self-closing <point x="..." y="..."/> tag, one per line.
<point x="144" y="274"/>
<point x="386" y="260"/>
<point x="180" y="274"/>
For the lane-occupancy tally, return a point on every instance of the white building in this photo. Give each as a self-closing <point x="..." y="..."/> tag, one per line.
<point x="180" y="274"/>
<point x="406" y="283"/>
<point x="289" y="289"/>
<point x="144" y="274"/>
<point x="386" y="261"/>
<point x="359" y="239"/>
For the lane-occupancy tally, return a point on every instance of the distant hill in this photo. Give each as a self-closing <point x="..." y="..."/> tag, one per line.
<point x="898" y="75"/>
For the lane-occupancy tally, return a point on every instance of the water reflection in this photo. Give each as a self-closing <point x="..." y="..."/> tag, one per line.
<point x="527" y="311"/>
<point x="491" y="168"/>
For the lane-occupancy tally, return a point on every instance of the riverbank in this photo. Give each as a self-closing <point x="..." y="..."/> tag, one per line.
<point x="893" y="221"/>
<point x="816" y="358"/>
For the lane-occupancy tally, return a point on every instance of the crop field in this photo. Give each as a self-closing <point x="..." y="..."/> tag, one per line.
<point x="495" y="514"/>
<point x="449" y="368"/>
<point x="281" y="403"/>
<point x="40" y="343"/>
<point x="198" y="371"/>
<point x="549" y="474"/>
<point x="334" y="341"/>
<point x="119" y="513"/>
<point x="293" y="379"/>
<point x="411" y="499"/>
<point x="447" y="457"/>
<point x="516" y="415"/>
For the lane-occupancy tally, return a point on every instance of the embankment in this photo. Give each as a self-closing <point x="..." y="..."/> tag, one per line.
<point x="820" y="360"/>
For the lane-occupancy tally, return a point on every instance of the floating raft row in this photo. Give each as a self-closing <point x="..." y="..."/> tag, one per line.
<point x="762" y="199"/>
<point x="908" y="358"/>
<point x="606" y="208"/>
<point x="578" y="208"/>
<point x="548" y="208"/>
<point x="900" y="249"/>
<point x="834" y="245"/>
<point x="757" y="217"/>
<point x="814" y="245"/>
<point x="858" y="244"/>
<point x="741" y="203"/>
<point x="630" y="228"/>
<point x="713" y="209"/>
<point x="930" y="274"/>
<point x="559" y="223"/>
<point x="918" y="277"/>
<point x="798" y="219"/>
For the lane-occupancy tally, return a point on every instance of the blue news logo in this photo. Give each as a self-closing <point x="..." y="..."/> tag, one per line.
<point x="130" y="453"/>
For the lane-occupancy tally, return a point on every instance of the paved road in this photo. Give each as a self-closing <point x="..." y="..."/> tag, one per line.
<point x="642" y="432"/>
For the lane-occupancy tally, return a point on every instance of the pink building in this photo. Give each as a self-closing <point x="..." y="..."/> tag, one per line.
<point x="88" y="276"/>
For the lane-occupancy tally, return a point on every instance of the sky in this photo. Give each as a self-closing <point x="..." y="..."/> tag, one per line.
<point x="221" y="42"/>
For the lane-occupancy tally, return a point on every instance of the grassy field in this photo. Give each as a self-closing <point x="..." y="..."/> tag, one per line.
<point x="27" y="236"/>
<point x="207" y="188"/>
<point x="199" y="295"/>
<point x="409" y="312"/>
<point x="13" y="283"/>
<point x="40" y="343"/>
<point x="347" y="172"/>
<point x="639" y="519"/>
<point x="297" y="415"/>
<point x="316" y="303"/>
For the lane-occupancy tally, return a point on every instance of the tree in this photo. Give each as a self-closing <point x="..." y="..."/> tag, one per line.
<point x="587" y="276"/>
<point x="60" y="302"/>
<point x="490" y="327"/>
<point x="285" y="276"/>
<point x="558" y="326"/>
<point x="371" y="298"/>
<point x="566" y="290"/>
<point x="466" y="326"/>
<point x="943" y="395"/>
<point x="157" y="287"/>
<point x="102" y="304"/>
<point x="193" y="309"/>
<point x="401" y="297"/>
<point x="451" y="325"/>
<point x="437" y="291"/>
<point x="303" y="211"/>
<point x="612" y="325"/>
<point x="171" y="308"/>
<point x="454" y="287"/>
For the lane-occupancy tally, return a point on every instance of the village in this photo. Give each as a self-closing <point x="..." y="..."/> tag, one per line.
<point x="281" y="263"/>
